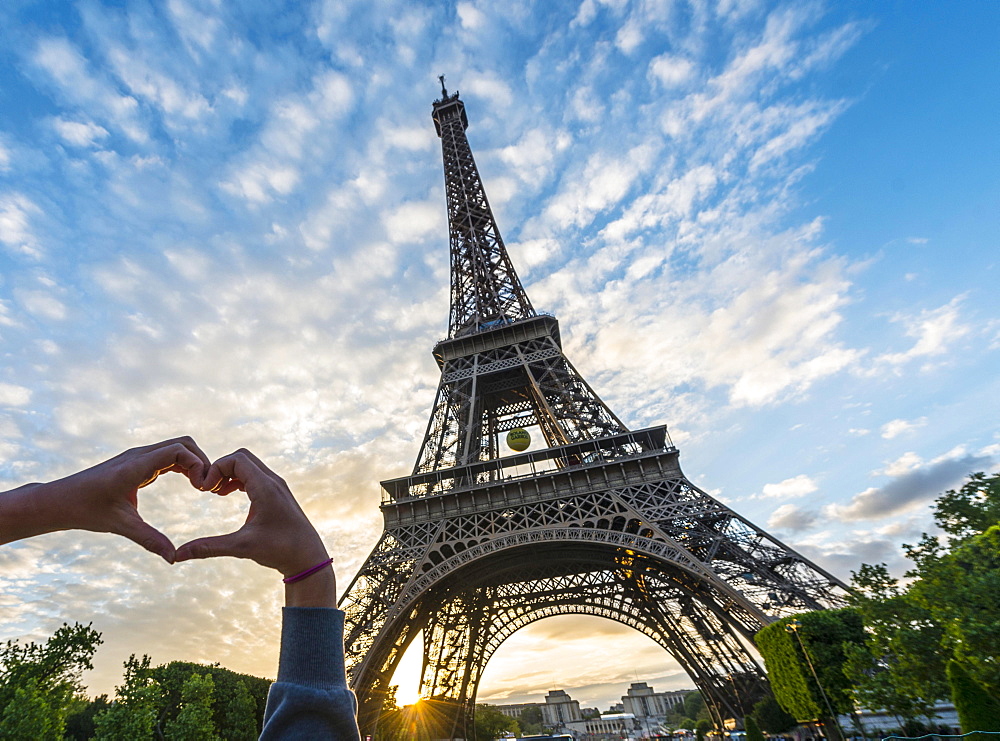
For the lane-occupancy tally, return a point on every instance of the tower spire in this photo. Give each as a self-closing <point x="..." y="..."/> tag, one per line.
<point x="485" y="289"/>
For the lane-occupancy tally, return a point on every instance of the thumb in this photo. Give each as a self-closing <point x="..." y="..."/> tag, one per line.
<point x="150" y="538"/>
<point x="212" y="547"/>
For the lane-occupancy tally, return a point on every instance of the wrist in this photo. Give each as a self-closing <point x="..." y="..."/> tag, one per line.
<point x="319" y="589"/>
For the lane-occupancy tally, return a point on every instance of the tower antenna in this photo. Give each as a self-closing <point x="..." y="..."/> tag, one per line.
<point x="444" y="92"/>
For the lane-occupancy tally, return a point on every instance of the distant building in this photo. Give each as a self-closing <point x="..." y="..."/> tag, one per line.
<point x="608" y="726"/>
<point x="560" y="709"/>
<point x="642" y="702"/>
<point x="515" y="710"/>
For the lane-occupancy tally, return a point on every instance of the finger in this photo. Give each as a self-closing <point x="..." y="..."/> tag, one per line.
<point x="244" y="466"/>
<point x="181" y="454"/>
<point x="233" y="544"/>
<point x="149" y="538"/>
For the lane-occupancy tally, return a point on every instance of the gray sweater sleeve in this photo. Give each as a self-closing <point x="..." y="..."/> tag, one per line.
<point x="310" y="699"/>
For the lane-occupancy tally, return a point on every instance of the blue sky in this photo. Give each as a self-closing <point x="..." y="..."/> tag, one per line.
<point x="772" y="226"/>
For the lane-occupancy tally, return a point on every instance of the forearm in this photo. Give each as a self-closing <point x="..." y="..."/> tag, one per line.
<point x="28" y="511"/>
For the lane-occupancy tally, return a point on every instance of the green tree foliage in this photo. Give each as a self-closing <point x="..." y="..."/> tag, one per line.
<point x="977" y="709"/>
<point x="132" y="716"/>
<point x="694" y="706"/>
<point x="753" y="730"/>
<point x="230" y="722"/>
<point x="29" y="716"/>
<point x="703" y="727"/>
<point x="38" y="681"/>
<point x="491" y="723"/>
<point x="194" y="717"/>
<point x="530" y="721"/>
<point x="771" y="717"/>
<point x="240" y="716"/>
<point x="80" y="721"/>
<point x="823" y="634"/>
<point x="971" y="510"/>
<point x="899" y="666"/>
<point x="959" y="589"/>
<point x="948" y="610"/>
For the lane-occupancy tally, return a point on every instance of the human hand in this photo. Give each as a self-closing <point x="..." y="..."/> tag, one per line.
<point x="104" y="498"/>
<point x="277" y="534"/>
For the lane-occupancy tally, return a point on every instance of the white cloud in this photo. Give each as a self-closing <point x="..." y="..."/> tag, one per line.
<point x="79" y="133"/>
<point x="14" y="396"/>
<point x="604" y="181"/>
<point x="490" y="87"/>
<point x="157" y="88"/>
<point x="274" y="166"/>
<point x="906" y="463"/>
<point x="792" y="488"/>
<point x="791" y="518"/>
<point x="69" y="69"/>
<point x="196" y="28"/>
<point x="935" y="331"/>
<point x="470" y="16"/>
<point x="671" y="70"/>
<point x="898" y="427"/>
<point x="41" y="303"/>
<point x="16" y="211"/>
<point x="411" y="222"/>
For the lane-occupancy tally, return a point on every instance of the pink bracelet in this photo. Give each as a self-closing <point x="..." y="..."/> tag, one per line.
<point x="308" y="572"/>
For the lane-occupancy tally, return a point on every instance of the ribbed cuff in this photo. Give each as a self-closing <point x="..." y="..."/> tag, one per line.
<point x="312" y="647"/>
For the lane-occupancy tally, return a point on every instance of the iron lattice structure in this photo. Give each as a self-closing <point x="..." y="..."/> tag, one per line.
<point x="600" y="521"/>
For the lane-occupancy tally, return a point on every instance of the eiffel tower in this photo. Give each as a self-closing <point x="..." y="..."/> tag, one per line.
<point x="599" y="520"/>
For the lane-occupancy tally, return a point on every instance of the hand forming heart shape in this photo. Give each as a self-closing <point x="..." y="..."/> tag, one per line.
<point x="104" y="498"/>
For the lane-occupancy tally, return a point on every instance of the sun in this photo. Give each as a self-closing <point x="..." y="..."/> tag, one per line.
<point x="407" y="674"/>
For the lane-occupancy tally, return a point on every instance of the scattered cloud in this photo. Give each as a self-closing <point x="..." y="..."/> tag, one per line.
<point x="911" y="487"/>
<point x="79" y="133"/>
<point x="792" y="488"/>
<point x="792" y="518"/>
<point x="935" y="331"/>
<point x="898" y="427"/>
<point x="12" y="395"/>
<point x="16" y="212"/>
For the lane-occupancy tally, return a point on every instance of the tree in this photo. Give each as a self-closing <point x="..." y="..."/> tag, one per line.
<point x="899" y="666"/>
<point x="194" y="719"/>
<point x="530" y="720"/>
<point x="694" y="706"/>
<point x="132" y="716"/>
<point x="703" y="727"/>
<point x="30" y="716"/>
<point x="948" y="610"/>
<point x="240" y="716"/>
<point x="771" y="717"/>
<point x="959" y="589"/>
<point x="790" y="669"/>
<point x="977" y="709"/>
<point x="229" y="722"/>
<point x="41" y="679"/>
<point x="753" y="731"/>
<point x="971" y="510"/>
<point x="491" y="723"/>
<point x="80" y="721"/>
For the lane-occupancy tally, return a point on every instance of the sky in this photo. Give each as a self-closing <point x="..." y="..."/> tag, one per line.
<point x="771" y="226"/>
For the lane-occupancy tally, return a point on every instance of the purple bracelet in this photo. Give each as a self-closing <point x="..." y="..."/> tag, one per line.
<point x="308" y="572"/>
